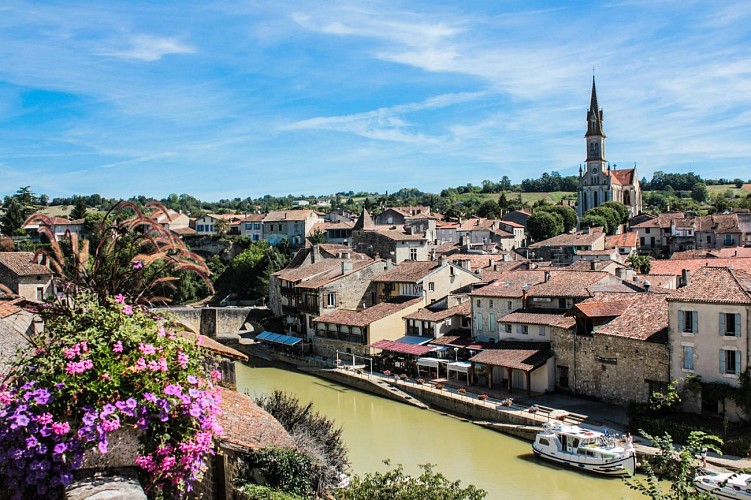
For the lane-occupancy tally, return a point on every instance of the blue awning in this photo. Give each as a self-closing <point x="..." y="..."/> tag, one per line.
<point x="414" y="340"/>
<point x="278" y="338"/>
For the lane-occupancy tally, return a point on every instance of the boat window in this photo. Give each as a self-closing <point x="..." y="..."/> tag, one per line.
<point x="576" y="443"/>
<point x="544" y="441"/>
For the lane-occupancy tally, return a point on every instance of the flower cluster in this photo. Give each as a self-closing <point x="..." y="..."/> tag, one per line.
<point x="106" y="369"/>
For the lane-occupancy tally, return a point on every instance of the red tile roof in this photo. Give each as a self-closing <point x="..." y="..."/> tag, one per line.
<point x="661" y="221"/>
<point x="525" y="356"/>
<point x="424" y="314"/>
<point x="284" y="215"/>
<point x="328" y="268"/>
<point x="568" y="284"/>
<point x="578" y="239"/>
<point x="538" y="318"/>
<point x="212" y="345"/>
<point x="409" y="271"/>
<point x="403" y="347"/>
<point x="366" y="316"/>
<point x="247" y="426"/>
<point x="623" y="177"/>
<point x="22" y="264"/>
<point x="674" y="267"/>
<point x="622" y="240"/>
<point x="717" y="285"/>
<point x="644" y="316"/>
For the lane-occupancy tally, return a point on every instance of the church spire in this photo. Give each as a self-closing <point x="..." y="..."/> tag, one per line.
<point x="594" y="115"/>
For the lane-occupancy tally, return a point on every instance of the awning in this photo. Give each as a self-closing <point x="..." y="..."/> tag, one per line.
<point x="414" y="339"/>
<point x="401" y="347"/>
<point x="523" y="358"/>
<point x="431" y="362"/>
<point x="277" y="338"/>
<point x="459" y="366"/>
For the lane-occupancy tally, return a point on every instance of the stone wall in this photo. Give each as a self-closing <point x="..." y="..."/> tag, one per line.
<point x="610" y="368"/>
<point x="210" y="321"/>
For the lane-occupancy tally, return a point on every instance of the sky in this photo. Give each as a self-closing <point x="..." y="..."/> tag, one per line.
<point x="225" y="99"/>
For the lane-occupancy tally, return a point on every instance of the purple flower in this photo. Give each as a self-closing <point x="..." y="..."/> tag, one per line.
<point x="192" y="379"/>
<point x="60" y="448"/>
<point x="173" y="390"/>
<point x="127" y="310"/>
<point x="89" y="418"/>
<point x="31" y="442"/>
<point x="119" y="298"/>
<point x="41" y="396"/>
<point x="22" y="420"/>
<point x="107" y="410"/>
<point x="137" y="264"/>
<point x="118" y="347"/>
<point x="150" y="397"/>
<point x="102" y="446"/>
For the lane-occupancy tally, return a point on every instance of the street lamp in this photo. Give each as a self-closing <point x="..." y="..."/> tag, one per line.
<point x="456" y="354"/>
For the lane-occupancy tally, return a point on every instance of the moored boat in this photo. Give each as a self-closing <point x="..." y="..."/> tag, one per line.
<point x="584" y="449"/>
<point x="727" y="486"/>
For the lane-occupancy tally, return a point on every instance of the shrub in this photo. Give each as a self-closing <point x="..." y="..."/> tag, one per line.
<point x="739" y="447"/>
<point x="257" y="492"/>
<point x="285" y="470"/>
<point x="482" y="397"/>
<point x="439" y="386"/>
<point x="97" y="369"/>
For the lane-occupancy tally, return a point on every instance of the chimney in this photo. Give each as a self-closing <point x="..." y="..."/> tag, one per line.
<point x="593" y="266"/>
<point x="442" y="260"/>
<point x="466" y="264"/>
<point x="346" y="267"/>
<point x="490" y="262"/>
<point x="315" y="254"/>
<point x="547" y="276"/>
<point x="685" y="277"/>
<point x="646" y="284"/>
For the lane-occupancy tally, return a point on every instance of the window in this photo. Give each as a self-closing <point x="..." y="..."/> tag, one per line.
<point x="688" y="321"/>
<point x="646" y="230"/>
<point x="542" y="331"/>
<point x="256" y="237"/>
<point x="688" y="357"/>
<point x="728" y="239"/>
<point x="523" y="329"/>
<point x="509" y="305"/>
<point x="431" y="286"/>
<point x="248" y="226"/>
<point x="478" y="303"/>
<point x="490" y="303"/>
<point x="730" y="324"/>
<point x="331" y="299"/>
<point x="40" y="293"/>
<point x="563" y="377"/>
<point x="641" y="241"/>
<point x="413" y="254"/>
<point x="508" y="328"/>
<point x="730" y="362"/>
<point x="709" y="239"/>
<point x="491" y="322"/>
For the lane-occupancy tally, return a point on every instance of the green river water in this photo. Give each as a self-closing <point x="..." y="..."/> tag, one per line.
<point x="377" y="428"/>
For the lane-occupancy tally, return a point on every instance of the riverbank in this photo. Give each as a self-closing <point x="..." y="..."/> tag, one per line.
<point x="496" y="410"/>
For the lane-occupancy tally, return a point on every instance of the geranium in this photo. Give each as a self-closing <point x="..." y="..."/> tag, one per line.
<point x="104" y="370"/>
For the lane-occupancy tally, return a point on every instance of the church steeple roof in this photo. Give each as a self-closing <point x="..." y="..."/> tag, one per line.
<point x="594" y="115"/>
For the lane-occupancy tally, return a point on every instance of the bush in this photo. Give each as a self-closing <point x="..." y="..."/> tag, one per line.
<point x="740" y="447"/>
<point x="257" y="492"/>
<point x="285" y="470"/>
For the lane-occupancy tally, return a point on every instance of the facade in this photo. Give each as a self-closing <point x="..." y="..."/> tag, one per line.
<point x="25" y="277"/>
<point x="561" y="249"/>
<point x="391" y="242"/>
<point x="435" y="323"/>
<point x="291" y="225"/>
<point x="709" y="332"/>
<point x="599" y="183"/>
<point x="60" y="227"/>
<point x="339" y="232"/>
<point x="251" y="226"/>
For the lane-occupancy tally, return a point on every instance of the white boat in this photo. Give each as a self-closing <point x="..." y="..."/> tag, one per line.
<point x="729" y="485"/>
<point x="583" y="449"/>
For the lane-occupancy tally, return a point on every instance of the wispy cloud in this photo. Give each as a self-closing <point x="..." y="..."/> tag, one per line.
<point x="147" y="48"/>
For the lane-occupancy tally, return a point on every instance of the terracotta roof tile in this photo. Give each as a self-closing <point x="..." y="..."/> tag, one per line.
<point x="568" y="284"/>
<point x="531" y="317"/>
<point x="577" y="239"/>
<point x="325" y="226"/>
<point x="328" y="268"/>
<point x="644" y="315"/>
<point x="366" y="316"/>
<point x="284" y="215"/>
<point x="674" y="267"/>
<point x="247" y="426"/>
<point x="622" y="240"/>
<point x="717" y="285"/>
<point x="409" y="271"/>
<point x="399" y="234"/>
<point x="623" y="177"/>
<point x="212" y="345"/>
<point x="661" y="221"/>
<point x="425" y="314"/>
<point x="22" y="264"/>
<point x="526" y="356"/>
<point x="335" y="274"/>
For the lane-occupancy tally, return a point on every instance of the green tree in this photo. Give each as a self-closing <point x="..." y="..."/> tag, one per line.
<point x="317" y="237"/>
<point x="544" y="225"/>
<point x="590" y="220"/>
<point x="489" y="210"/>
<point x="14" y="217"/>
<point x="79" y="208"/>
<point x="503" y="201"/>
<point x="642" y="263"/>
<point x="248" y="274"/>
<point x="567" y="214"/>
<point x="623" y="211"/>
<point x="396" y="484"/>
<point x="609" y="214"/>
<point x="699" y="192"/>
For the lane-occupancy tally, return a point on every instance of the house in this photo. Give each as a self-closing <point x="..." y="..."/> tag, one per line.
<point x="655" y="234"/>
<point x="562" y="289"/>
<point x="562" y="248"/>
<point x="390" y="242"/>
<point x="436" y="322"/>
<point x="625" y="244"/>
<point x="499" y="298"/>
<point x="251" y="226"/>
<point x="432" y="279"/>
<point x="398" y="216"/>
<point x="515" y="365"/>
<point x="24" y="276"/>
<point x="519" y="217"/>
<point x="720" y="231"/>
<point x="618" y="350"/>
<point x="709" y="334"/>
<point x="339" y="232"/>
<point x="673" y="273"/>
<point x="447" y="232"/>
<point x="354" y="331"/>
<point x="171" y="219"/>
<point x="291" y="225"/>
<point x="62" y="228"/>
<point x="207" y="225"/>
<point x="17" y="325"/>
<point x="298" y="295"/>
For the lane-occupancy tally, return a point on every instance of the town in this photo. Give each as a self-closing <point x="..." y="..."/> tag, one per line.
<point x="590" y="297"/>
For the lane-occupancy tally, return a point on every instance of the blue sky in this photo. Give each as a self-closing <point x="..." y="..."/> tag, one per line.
<point x="245" y="98"/>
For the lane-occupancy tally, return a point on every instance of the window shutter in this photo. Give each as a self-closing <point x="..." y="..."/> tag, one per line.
<point x="518" y="328"/>
<point x="695" y="321"/>
<point x="681" y="323"/>
<point x="737" y="362"/>
<point x="723" y="327"/>
<point x="737" y="325"/>
<point x="722" y="361"/>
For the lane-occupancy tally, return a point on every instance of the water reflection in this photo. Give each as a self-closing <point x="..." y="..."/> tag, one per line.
<point x="376" y="429"/>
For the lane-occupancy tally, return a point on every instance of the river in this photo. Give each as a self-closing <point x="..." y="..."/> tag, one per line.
<point x="376" y="428"/>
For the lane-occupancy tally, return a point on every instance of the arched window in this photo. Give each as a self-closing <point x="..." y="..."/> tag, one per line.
<point x="627" y="198"/>
<point x="596" y="201"/>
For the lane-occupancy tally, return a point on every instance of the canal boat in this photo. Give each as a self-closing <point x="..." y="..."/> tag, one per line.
<point x="729" y="485"/>
<point x="584" y="449"/>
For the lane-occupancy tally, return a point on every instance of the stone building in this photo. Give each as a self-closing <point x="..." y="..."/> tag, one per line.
<point x="617" y="351"/>
<point x="396" y="243"/>
<point x="561" y="249"/>
<point x="599" y="183"/>
<point x="24" y="276"/>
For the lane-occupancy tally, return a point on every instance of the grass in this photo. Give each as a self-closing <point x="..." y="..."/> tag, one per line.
<point x="741" y="192"/>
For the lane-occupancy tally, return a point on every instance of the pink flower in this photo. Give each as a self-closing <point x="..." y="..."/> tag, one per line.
<point x="60" y="428"/>
<point x="118" y="347"/>
<point x="199" y="340"/>
<point x="111" y="425"/>
<point x="119" y="298"/>
<point x="127" y="309"/>
<point x="146" y="462"/>
<point x="140" y="365"/>
<point x="183" y="359"/>
<point x="162" y="332"/>
<point x="44" y="419"/>
<point x="162" y="365"/>
<point x="137" y="264"/>
<point x="5" y="397"/>
<point x="216" y="375"/>
<point x="146" y="348"/>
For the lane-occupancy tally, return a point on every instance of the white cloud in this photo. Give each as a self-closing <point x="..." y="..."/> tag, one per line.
<point x="148" y="48"/>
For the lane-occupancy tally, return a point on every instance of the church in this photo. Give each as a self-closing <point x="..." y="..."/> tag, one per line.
<point x="599" y="183"/>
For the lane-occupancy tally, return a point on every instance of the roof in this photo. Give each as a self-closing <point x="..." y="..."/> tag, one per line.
<point x="254" y="218"/>
<point x="459" y="341"/>
<point x="364" y="317"/>
<point x="533" y="317"/>
<point x="525" y="356"/>
<point x="325" y="226"/>
<point x="324" y="268"/>
<point x="640" y="316"/>
<point x="661" y="221"/>
<point x="622" y="240"/>
<point x="408" y="271"/>
<point x="478" y="224"/>
<point x="13" y="325"/>
<point x="586" y="265"/>
<point x="212" y="345"/>
<point x="716" y="284"/>
<point x="335" y="273"/>
<point x="512" y="224"/>
<point x="510" y="284"/>
<point x="398" y="234"/>
<point x="675" y="267"/>
<point x="567" y="284"/>
<point x="718" y="223"/>
<point x="403" y="347"/>
<point x="425" y="314"/>
<point x="247" y="425"/>
<point x="623" y="177"/>
<point x="183" y="231"/>
<point x="364" y="222"/>
<point x="284" y="215"/>
<point x="22" y="264"/>
<point x="577" y="239"/>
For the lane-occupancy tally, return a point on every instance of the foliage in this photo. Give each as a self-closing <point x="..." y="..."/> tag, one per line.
<point x="699" y="193"/>
<point x="623" y="211"/>
<point x="79" y="208"/>
<point x="590" y="220"/>
<point x="250" y="491"/>
<point x="133" y="256"/>
<point x="544" y="225"/>
<point x="317" y="237"/>
<point x="642" y="263"/>
<point x="678" y="465"/>
<point x="396" y="484"/>
<point x="489" y="210"/>
<point x="610" y="214"/>
<point x="248" y="274"/>
<point x="106" y="366"/>
<point x="568" y="215"/>
<point x="316" y="436"/>
<point x="665" y="401"/>
<point x="285" y="470"/>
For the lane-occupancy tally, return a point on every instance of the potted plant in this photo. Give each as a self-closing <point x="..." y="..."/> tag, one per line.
<point x="420" y="381"/>
<point x="462" y="391"/>
<point x="439" y="386"/>
<point x="482" y="397"/>
<point x="387" y="373"/>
